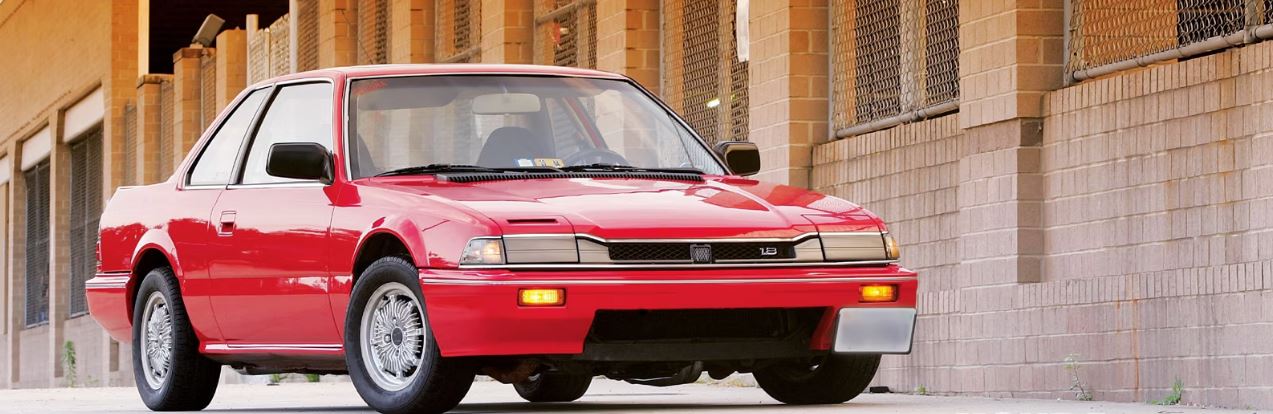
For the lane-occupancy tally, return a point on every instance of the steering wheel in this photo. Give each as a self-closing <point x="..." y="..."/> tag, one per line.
<point x="595" y="156"/>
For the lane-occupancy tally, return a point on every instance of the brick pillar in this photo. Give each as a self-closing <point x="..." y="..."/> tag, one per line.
<point x="628" y="39"/>
<point x="335" y="33"/>
<point x="185" y="102"/>
<point x="411" y="31"/>
<point x="15" y="197"/>
<point x="1011" y="56"/>
<point x="508" y="31"/>
<point x="147" y="161"/>
<point x="59" y="245"/>
<point x="788" y="91"/>
<point x="232" y="65"/>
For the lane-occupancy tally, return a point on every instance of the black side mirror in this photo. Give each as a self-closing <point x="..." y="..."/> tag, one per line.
<point x="301" y="161"/>
<point x="742" y="158"/>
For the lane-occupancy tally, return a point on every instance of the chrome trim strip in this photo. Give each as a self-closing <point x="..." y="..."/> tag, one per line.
<point x="549" y="266"/>
<point x="800" y="237"/>
<point x="107" y="282"/>
<point x="273" y="347"/>
<point x="294" y="184"/>
<point x="568" y="282"/>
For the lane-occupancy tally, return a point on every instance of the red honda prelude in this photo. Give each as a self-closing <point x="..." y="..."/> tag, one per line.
<point x="414" y="226"/>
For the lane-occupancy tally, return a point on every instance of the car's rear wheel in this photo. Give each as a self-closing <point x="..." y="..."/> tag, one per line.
<point x="832" y="380"/>
<point x="553" y="387"/>
<point x="170" y="373"/>
<point x="392" y="357"/>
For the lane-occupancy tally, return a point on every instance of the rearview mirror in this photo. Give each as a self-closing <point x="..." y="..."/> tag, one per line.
<point x="300" y="161"/>
<point x="742" y="158"/>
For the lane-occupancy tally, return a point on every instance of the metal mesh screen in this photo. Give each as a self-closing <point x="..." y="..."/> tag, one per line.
<point x="280" y="46"/>
<point x="306" y="34"/>
<point x="372" y="31"/>
<point x="459" y="29"/>
<point x="86" y="210"/>
<point x="702" y="77"/>
<point x="129" y="164"/>
<point x="566" y="33"/>
<point x="37" y="248"/>
<point x="207" y="87"/>
<point x="1104" y="32"/>
<point x="892" y="57"/>
<point x="164" y="153"/>
<point x="259" y="57"/>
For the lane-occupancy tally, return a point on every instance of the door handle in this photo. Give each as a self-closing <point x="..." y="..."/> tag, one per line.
<point x="226" y="224"/>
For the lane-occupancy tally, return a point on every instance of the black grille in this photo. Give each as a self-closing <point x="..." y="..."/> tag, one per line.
<point x="86" y="210"/>
<point x="704" y="325"/>
<point x="720" y="251"/>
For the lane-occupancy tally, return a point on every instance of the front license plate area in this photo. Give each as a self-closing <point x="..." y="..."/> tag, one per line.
<point x="874" y="330"/>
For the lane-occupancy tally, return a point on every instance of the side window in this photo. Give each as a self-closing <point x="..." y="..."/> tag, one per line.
<point x="216" y="163"/>
<point x="299" y="113"/>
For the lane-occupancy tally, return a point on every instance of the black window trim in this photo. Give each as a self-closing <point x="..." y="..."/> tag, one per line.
<point x="212" y="133"/>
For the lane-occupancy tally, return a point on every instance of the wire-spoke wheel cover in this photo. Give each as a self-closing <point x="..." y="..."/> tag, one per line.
<point x="157" y="342"/>
<point x="392" y="334"/>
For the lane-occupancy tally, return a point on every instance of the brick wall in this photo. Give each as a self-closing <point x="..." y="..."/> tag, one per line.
<point x="1156" y="241"/>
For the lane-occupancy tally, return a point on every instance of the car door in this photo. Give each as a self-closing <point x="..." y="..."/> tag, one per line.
<point x="270" y="268"/>
<point x="190" y="207"/>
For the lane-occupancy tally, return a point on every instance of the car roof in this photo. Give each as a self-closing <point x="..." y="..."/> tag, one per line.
<point x="445" y="69"/>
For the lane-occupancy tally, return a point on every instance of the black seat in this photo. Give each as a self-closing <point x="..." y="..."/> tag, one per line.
<point x="506" y="145"/>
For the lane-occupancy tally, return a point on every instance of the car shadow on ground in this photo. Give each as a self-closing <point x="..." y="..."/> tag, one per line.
<point x="572" y="407"/>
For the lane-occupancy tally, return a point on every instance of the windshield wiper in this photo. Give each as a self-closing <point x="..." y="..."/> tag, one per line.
<point x="445" y="168"/>
<point x="629" y="168"/>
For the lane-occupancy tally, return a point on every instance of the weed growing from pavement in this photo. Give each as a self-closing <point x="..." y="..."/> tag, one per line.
<point x="921" y="390"/>
<point x="69" y="362"/>
<point x="1076" y="383"/>
<point x="1172" y="398"/>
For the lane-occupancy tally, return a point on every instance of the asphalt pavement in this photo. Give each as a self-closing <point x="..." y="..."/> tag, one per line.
<point x="604" y="397"/>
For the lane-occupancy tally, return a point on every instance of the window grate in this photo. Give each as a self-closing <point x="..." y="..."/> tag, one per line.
<point x="86" y="210"/>
<point x="164" y="154"/>
<point x="128" y="166"/>
<point x="306" y="35"/>
<point x="208" y="87"/>
<point x="459" y="27"/>
<point x="37" y="243"/>
<point x="566" y="33"/>
<point x="372" y="32"/>
<point x="702" y="77"/>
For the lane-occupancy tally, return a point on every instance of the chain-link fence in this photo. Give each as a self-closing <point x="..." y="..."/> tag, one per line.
<point x="893" y="61"/>
<point x="566" y="33"/>
<point x="306" y="15"/>
<point x="86" y="209"/>
<point x="372" y="34"/>
<point x="128" y="166"/>
<point x="164" y="151"/>
<point x="1111" y="35"/>
<point x="703" y="78"/>
<point x="207" y="88"/>
<point x="459" y="30"/>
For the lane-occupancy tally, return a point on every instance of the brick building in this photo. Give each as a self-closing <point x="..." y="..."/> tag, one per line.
<point x="1085" y="186"/>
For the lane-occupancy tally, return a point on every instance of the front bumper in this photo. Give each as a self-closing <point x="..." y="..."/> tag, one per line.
<point x="475" y="312"/>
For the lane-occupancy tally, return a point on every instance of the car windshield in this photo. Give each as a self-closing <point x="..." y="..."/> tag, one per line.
<point x="514" y="122"/>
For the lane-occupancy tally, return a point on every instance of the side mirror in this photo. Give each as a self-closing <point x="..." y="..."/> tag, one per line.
<point x="742" y="158"/>
<point x="301" y="161"/>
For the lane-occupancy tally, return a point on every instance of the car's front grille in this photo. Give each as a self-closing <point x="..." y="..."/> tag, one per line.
<point x="680" y="252"/>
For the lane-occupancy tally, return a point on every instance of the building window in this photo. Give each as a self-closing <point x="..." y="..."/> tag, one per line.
<point x="37" y="249"/>
<point x="703" y="78"/>
<point x="86" y="210"/>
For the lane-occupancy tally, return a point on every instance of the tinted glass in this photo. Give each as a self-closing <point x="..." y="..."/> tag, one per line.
<point x="216" y="163"/>
<point x="300" y="113"/>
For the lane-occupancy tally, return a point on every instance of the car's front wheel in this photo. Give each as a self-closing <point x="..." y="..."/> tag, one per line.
<point x="553" y="387"/>
<point x="392" y="357"/>
<point x="831" y="380"/>
<point x="170" y="373"/>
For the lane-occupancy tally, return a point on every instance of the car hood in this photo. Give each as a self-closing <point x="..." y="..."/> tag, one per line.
<point x="718" y="207"/>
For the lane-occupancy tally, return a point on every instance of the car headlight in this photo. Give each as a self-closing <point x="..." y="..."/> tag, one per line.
<point x="891" y="248"/>
<point x="483" y="251"/>
<point x="854" y="246"/>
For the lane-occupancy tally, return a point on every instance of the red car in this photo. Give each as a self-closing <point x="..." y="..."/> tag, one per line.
<point x="413" y="226"/>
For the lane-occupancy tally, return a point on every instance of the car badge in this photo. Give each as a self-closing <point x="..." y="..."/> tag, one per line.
<point x="701" y="253"/>
<point x="768" y="251"/>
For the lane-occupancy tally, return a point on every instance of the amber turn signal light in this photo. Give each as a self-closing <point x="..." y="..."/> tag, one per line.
<point x="878" y="293"/>
<point x="541" y="297"/>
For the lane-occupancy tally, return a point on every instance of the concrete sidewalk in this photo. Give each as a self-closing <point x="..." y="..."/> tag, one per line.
<point x="604" y="397"/>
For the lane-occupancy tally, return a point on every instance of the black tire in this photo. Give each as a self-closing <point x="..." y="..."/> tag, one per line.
<point x="837" y="379"/>
<point x="439" y="384"/>
<point x="191" y="378"/>
<point x="553" y="387"/>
